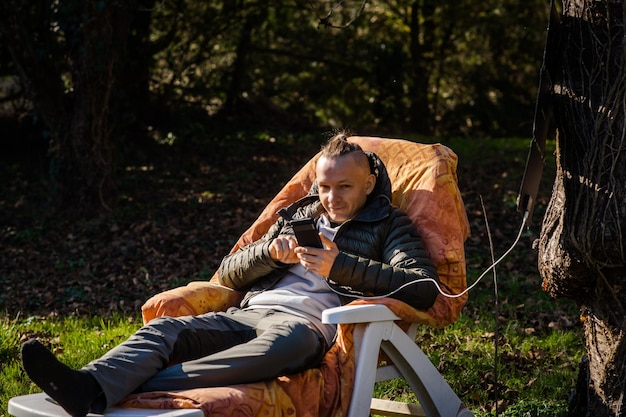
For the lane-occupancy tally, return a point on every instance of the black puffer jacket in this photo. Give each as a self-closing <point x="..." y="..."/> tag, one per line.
<point x="380" y="251"/>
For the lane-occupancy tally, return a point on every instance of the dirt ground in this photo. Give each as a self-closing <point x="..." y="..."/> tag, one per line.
<point x="179" y="213"/>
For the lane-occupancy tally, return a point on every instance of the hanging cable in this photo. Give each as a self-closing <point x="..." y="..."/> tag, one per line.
<point x="441" y="291"/>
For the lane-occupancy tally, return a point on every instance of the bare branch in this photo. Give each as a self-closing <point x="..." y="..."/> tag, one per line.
<point x="326" y="20"/>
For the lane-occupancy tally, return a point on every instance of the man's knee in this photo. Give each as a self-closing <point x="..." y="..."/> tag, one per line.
<point x="303" y="340"/>
<point x="161" y="328"/>
<point x="305" y="334"/>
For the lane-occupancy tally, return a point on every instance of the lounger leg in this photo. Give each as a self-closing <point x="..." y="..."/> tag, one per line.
<point x="375" y="329"/>
<point x="367" y="340"/>
<point x="433" y="392"/>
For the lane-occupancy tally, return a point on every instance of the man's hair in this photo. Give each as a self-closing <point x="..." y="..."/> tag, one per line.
<point x="338" y="146"/>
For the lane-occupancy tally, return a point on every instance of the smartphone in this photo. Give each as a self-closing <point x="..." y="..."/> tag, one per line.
<point x="306" y="233"/>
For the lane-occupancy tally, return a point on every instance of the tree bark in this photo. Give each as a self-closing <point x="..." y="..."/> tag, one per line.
<point x="69" y="55"/>
<point x="84" y="152"/>
<point x="419" y="63"/>
<point x="582" y="248"/>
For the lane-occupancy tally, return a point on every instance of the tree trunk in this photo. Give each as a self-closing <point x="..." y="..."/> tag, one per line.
<point x="239" y="75"/>
<point x="69" y="55"/>
<point x="582" y="249"/>
<point x="421" y="47"/>
<point x="84" y="153"/>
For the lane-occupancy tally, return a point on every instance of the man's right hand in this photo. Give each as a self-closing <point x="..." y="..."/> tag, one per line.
<point x="282" y="249"/>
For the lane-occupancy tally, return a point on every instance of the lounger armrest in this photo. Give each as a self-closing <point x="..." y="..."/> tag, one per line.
<point x="358" y="314"/>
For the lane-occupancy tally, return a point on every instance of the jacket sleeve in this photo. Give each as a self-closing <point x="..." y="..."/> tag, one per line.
<point x="404" y="260"/>
<point x="241" y="269"/>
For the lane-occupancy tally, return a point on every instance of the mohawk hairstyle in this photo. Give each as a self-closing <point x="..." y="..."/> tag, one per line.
<point x="338" y="145"/>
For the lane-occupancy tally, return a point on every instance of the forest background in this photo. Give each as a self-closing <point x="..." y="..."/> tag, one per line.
<point x="209" y="107"/>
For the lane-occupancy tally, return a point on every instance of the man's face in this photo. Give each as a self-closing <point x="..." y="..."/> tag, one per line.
<point x="344" y="185"/>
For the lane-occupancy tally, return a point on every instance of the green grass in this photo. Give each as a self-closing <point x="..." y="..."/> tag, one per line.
<point x="75" y="341"/>
<point x="535" y="373"/>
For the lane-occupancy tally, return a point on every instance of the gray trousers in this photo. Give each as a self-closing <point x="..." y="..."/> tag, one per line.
<point x="214" y="349"/>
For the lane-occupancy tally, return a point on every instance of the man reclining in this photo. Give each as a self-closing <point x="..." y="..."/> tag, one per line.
<point x="370" y="248"/>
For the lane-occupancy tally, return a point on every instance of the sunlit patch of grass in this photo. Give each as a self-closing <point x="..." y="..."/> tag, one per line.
<point x="75" y="341"/>
<point x="533" y="375"/>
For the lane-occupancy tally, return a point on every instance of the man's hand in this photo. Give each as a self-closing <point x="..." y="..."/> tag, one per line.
<point x="282" y="249"/>
<point x="318" y="260"/>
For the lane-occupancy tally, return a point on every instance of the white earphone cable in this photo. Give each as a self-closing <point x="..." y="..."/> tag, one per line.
<point x="519" y="235"/>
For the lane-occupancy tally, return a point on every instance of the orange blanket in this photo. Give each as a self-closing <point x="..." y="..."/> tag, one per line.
<point x="425" y="186"/>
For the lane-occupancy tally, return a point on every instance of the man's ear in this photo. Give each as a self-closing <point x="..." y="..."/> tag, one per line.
<point x="370" y="184"/>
